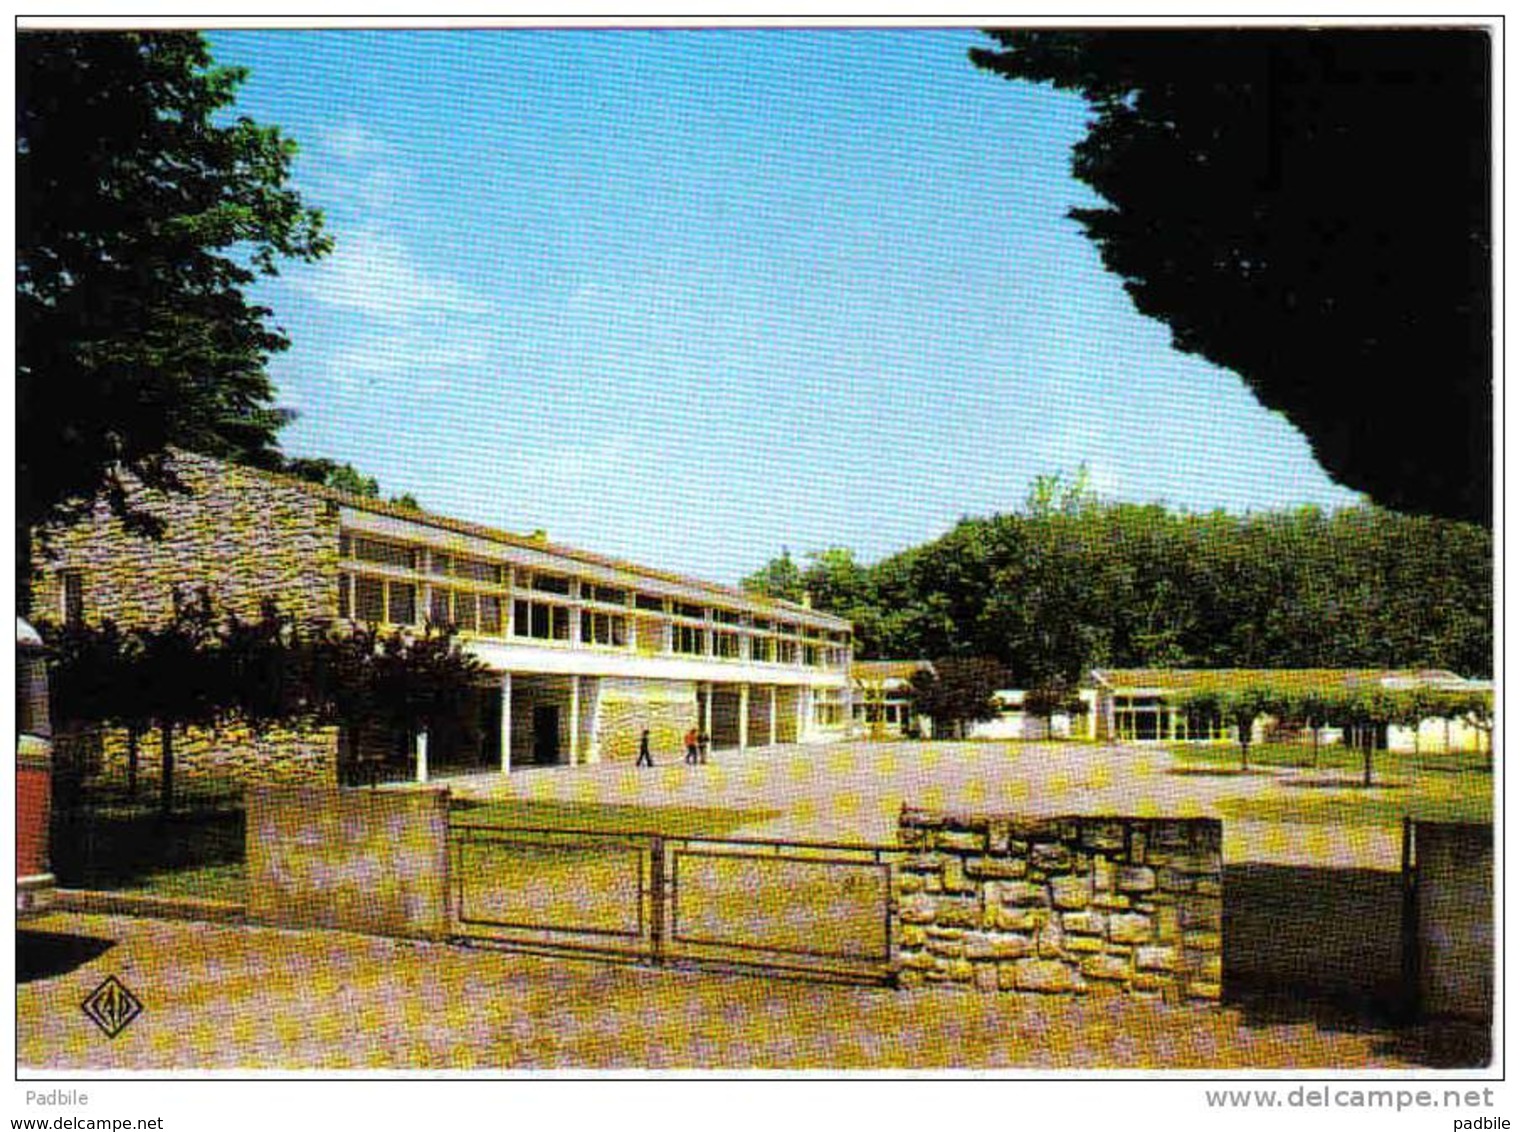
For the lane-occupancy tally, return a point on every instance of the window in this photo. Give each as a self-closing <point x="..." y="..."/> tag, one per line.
<point x="760" y="623"/>
<point x="650" y="602"/>
<point x="726" y="616"/>
<point x="695" y="612"/>
<point x="401" y="608"/>
<point x="604" y="629"/>
<point x="477" y="570"/>
<point x="810" y="655"/>
<point x="440" y="608"/>
<point x="383" y="553"/>
<point x="607" y="595"/>
<point x="688" y="639"/>
<point x="551" y="583"/>
<point x="464" y="610"/>
<point x="828" y="707"/>
<point x="490" y="614"/>
<point x="378" y="601"/>
<point x="761" y="648"/>
<point x="726" y="645"/>
<point x="72" y="596"/>
<point x="544" y="622"/>
<point x="369" y="600"/>
<point x="786" y="652"/>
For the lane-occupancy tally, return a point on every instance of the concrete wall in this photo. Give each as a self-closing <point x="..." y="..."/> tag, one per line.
<point x="373" y="861"/>
<point x="1061" y="905"/>
<point x="1454" y="914"/>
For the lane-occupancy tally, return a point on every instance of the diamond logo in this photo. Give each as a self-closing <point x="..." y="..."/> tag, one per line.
<point x="111" y="1006"/>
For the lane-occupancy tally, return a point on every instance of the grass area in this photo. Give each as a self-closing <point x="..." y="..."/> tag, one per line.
<point x="196" y="852"/>
<point x="1330" y="756"/>
<point x="1327" y="789"/>
<point x="607" y="817"/>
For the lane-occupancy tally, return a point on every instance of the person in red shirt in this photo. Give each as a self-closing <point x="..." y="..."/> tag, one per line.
<point x="691" y="747"/>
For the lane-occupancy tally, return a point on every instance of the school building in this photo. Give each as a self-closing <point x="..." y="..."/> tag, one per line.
<point x="584" y="652"/>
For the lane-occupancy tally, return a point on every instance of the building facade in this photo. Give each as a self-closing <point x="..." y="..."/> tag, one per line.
<point x="1143" y="705"/>
<point x="585" y="652"/>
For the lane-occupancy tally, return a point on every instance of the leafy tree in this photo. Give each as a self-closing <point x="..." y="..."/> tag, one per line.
<point x="779" y="578"/>
<point x="1052" y="698"/>
<point x="1239" y="707"/>
<point x="341" y="477"/>
<point x="143" y="213"/>
<point x="1365" y="715"/>
<point x="958" y="691"/>
<point x="1266" y="193"/>
<point x="408" y="683"/>
<point x="183" y="680"/>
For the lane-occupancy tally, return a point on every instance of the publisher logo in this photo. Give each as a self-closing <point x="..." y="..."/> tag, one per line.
<point x="111" y="1006"/>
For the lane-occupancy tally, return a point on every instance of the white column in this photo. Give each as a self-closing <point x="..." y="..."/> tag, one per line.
<point x="707" y="712"/>
<point x="743" y="716"/>
<point x="575" y="720"/>
<point x="422" y="766"/>
<point x="506" y="722"/>
<point x="773" y="715"/>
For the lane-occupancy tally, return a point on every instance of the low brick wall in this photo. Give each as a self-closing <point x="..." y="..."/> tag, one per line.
<point x="373" y="861"/>
<point x="1060" y="905"/>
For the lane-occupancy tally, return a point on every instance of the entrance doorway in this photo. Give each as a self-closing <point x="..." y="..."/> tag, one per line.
<point x="545" y="734"/>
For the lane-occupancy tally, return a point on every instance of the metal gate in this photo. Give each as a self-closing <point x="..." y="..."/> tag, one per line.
<point x="809" y="909"/>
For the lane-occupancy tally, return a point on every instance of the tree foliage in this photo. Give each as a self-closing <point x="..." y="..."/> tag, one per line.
<point x="1052" y="592"/>
<point x="341" y="477"/>
<point x="1310" y="209"/>
<point x="957" y="691"/>
<point x="205" y="668"/>
<point x="143" y="211"/>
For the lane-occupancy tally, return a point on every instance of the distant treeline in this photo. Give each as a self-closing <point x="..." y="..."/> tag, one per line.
<point x="1073" y="583"/>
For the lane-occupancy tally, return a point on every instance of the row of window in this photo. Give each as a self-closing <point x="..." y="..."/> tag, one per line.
<point x="445" y="564"/>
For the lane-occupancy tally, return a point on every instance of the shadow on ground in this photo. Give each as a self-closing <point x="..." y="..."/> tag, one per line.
<point x="47" y="955"/>
<point x="1328" y="944"/>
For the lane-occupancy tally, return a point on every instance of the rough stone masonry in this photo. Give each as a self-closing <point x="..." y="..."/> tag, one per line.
<point x="1064" y="905"/>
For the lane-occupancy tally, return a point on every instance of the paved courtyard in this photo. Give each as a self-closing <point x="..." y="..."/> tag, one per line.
<point x="854" y="791"/>
<point x="256" y="998"/>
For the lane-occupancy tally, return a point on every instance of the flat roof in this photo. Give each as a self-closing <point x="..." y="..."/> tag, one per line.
<point x="716" y="590"/>
<point x="1287" y="679"/>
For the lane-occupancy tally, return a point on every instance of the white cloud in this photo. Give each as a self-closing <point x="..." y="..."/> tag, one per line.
<point x="423" y="355"/>
<point x="373" y="271"/>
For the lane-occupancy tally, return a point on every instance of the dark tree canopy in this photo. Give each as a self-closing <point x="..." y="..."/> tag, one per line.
<point x="143" y="212"/>
<point x="1310" y="209"/>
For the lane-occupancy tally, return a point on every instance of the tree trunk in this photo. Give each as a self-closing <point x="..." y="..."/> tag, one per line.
<point x="1369" y="740"/>
<point x="166" y="781"/>
<point x="132" y="741"/>
<point x="1314" y="744"/>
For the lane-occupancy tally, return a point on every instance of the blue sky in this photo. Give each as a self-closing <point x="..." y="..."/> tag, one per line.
<point x="689" y="297"/>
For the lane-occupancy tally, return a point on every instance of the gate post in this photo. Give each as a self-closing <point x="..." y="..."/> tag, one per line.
<point x="657" y="899"/>
<point x="1409" y="943"/>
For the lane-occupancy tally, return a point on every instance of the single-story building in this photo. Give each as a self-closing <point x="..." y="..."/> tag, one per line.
<point x="1143" y="705"/>
<point x="1013" y="721"/>
<point x="584" y="651"/>
<point x="882" y="700"/>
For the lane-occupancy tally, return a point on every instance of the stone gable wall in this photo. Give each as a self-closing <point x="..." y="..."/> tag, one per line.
<point x="243" y="537"/>
<point x="1071" y="905"/>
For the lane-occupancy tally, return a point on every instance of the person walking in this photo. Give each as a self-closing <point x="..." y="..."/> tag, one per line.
<point x="703" y="742"/>
<point x="645" y="758"/>
<point x="691" y="747"/>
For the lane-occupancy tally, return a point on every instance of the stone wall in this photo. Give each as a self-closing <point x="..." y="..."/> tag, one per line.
<point x="241" y="535"/>
<point x="668" y="708"/>
<point x="279" y="756"/>
<point x="373" y="861"/>
<point x="1061" y="905"/>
